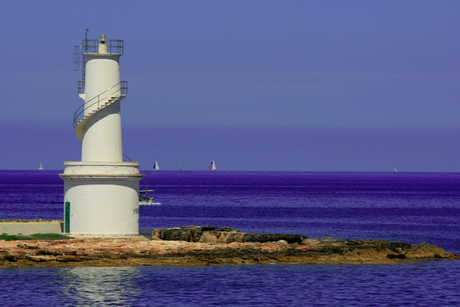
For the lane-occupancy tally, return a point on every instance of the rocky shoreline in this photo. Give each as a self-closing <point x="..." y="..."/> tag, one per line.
<point x="207" y="245"/>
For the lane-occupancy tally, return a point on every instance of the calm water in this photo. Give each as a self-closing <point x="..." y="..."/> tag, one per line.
<point x="413" y="208"/>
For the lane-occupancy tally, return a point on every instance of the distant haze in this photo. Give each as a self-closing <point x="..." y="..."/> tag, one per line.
<point x="254" y="85"/>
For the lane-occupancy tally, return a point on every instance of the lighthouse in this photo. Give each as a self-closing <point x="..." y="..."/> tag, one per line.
<point x="101" y="192"/>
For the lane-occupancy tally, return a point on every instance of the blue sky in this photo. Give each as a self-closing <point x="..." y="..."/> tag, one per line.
<point x="255" y="85"/>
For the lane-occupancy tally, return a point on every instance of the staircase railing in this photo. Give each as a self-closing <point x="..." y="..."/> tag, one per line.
<point x="126" y="158"/>
<point x="119" y="89"/>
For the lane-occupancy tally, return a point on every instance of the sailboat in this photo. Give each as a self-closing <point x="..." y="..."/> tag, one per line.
<point x="180" y="167"/>
<point x="212" y="166"/>
<point x="396" y="170"/>
<point x="41" y="167"/>
<point x="156" y="167"/>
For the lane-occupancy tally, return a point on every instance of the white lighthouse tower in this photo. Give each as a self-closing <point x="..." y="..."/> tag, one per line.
<point x="101" y="191"/>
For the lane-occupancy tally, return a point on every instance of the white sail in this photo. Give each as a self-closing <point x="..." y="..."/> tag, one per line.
<point x="155" y="166"/>
<point x="41" y="166"/>
<point x="212" y="166"/>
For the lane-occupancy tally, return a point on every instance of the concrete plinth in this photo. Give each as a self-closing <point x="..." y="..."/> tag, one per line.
<point x="101" y="199"/>
<point x="29" y="228"/>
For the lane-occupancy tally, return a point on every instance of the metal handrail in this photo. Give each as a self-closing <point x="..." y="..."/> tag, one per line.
<point x="91" y="46"/>
<point x="127" y="158"/>
<point x="81" y="86"/>
<point x="114" y="46"/>
<point x="121" y="87"/>
<point x="78" y="59"/>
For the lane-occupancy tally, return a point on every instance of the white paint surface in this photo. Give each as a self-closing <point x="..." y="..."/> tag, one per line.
<point x="103" y="191"/>
<point x="103" y="198"/>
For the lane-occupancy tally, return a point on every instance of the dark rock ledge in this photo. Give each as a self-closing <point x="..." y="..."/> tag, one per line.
<point x="208" y="245"/>
<point x="224" y="235"/>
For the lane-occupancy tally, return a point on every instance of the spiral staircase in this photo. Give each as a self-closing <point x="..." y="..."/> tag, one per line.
<point x="85" y="112"/>
<point x="90" y="108"/>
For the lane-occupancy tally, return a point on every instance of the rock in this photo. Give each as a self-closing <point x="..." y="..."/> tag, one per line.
<point x="329" y="242"/>
<point x="187" y="233"/>
<point x="223" y="235"/>
<point x="28" y="246"/>
<point x="11" y="258"/>
<point x="396" y="256"/>
<point x="197" y="245"/>
<point x="426" y="250"/>
<point x="40" y="258"/>
<point x="208" y="237"/>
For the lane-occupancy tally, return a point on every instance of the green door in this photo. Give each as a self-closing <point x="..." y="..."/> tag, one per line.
<point x="67" y="217"/>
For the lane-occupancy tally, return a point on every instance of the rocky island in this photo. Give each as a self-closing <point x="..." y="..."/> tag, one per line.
<point x="208" y="245"/>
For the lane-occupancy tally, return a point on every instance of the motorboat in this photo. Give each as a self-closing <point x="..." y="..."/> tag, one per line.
<point x="145" y="199"/>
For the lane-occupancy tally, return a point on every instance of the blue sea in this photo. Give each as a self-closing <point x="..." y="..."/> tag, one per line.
<point x="408" y="207"/>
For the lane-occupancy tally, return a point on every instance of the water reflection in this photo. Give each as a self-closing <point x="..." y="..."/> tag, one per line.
<point x="89" y="286"/>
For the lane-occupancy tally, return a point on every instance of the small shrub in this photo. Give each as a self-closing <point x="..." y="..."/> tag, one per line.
<point x="36" y="236"/>
<point x="14" y="237"/>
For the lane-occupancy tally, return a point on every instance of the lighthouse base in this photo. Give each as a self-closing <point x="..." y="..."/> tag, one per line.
<point x="101" y="199"/>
